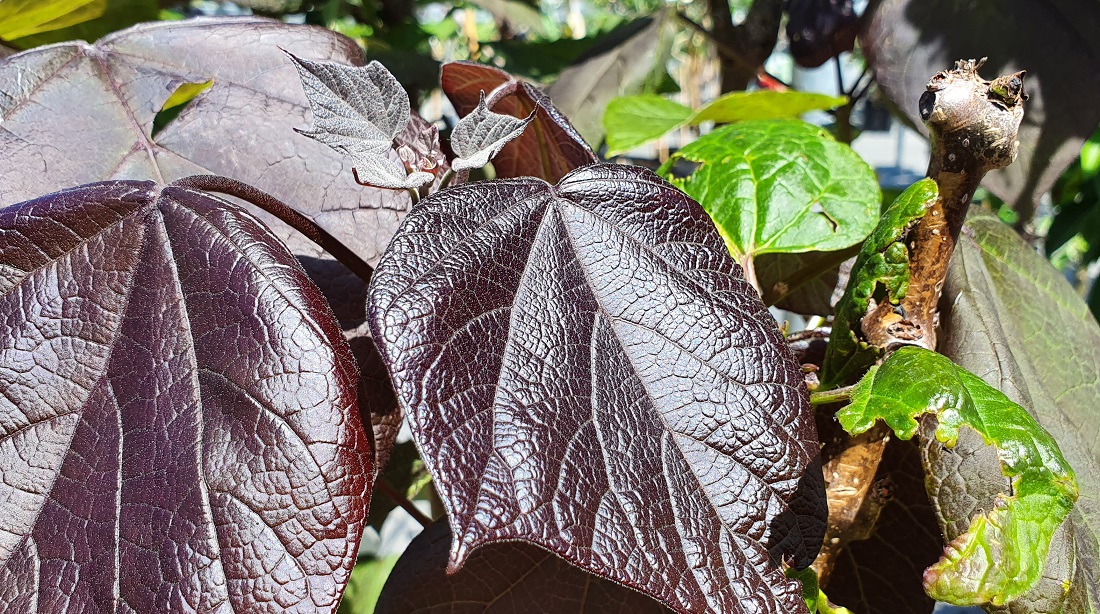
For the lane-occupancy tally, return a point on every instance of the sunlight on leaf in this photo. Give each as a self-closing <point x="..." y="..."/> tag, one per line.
<point x="19" y="18"/>
<point x="482" y="134"/>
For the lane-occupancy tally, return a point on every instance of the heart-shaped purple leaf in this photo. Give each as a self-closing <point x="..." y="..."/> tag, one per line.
<point x="585" y="368"/>
<point x="179" y="427"/>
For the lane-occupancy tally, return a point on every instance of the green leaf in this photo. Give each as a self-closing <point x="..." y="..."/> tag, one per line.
<point x="20" y="18"/>
<point x="881" y="272"/>
<point x="1001" y="555"/>
<point x="780" y="186"/>
<point x="109" y="16"/>
<point x="764" y="104"/>
<point x="816" y="601"/>
<point x="1015" y="321"/>
<point x="632" y="121"/>
<point x="367" y="579"/>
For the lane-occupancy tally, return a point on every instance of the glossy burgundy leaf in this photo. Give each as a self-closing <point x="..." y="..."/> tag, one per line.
<point x="1056" y="42"/>
<point x="585" y="368"/>
<point x="75" y="113"/>
<point x="509" y="578"/>
<point x="179" y="428"/>
<point x="548" y="149"/>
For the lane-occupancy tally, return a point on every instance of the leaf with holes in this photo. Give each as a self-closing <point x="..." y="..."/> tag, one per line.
<point x="359" y="111"/>
<point x="549" y="149"/>
<point x="1000" y="556"/>
<point x="499" y="579"/>
<point x="479" y="136"/>
<point x="780" y="186"/>
<point x="180" y="424"/>
<point x="584" y="368"/>
<point x="74" y="113"/>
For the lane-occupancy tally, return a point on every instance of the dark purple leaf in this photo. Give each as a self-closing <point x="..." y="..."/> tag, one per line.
<point x="74" y="113"/>
<point x="180" y="429"/>
<point x="908" y="41"/>
<point x="548" y="149"/>
<point x="510" y="578"/>
<point x="820" y="30"/>
<point x="585" y="368"/>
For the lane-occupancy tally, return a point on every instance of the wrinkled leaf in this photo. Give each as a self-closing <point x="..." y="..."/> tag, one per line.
<point x="549" y="149"/>
<point x="1000" y="557"/>
<point x="635" y="58"/>
<point x="499" y="579"/>
<point x="633" y="121"/>
<point x="880" y="273"/>
<point x="764" y="104"/>
<point x="1012" y="319"/>
<point x="19" y="18"/>
<point x="583" y="368"/>
<point x="74" y="114"/>
<point x="359" y="111"/>
<point x="479" y="136"/>
<point x="780" y="186"/>
<point x="908" y="41"/>
<point x="180" y="422"/>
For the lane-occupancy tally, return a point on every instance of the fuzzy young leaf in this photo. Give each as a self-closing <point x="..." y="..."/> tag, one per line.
<point x="482" y="134"/>
<point x="360" y="110"/>
<point x="584" y="368"/>
<point x="500" y="579"/>
<point x="880" y="273"/>
<point x="780" y="186"/>
<point x="180" y="421"/>
<point x="1001" y="555"/>
<point x="549" y="150"/>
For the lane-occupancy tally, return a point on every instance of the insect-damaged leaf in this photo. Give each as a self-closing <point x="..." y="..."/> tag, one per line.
<point x="908" y="41"/>
<point x="500" y="579"/>
<point x="359" y="111"/>
<point x="1000" y="556"/>
<point x="482" y="134"/>
<point x="584" y="368"/>
<point x="1012" y="319"/>
<point x="179" y="427"/>
<point x="549" y="149"/>
<point x="776" y="186"/>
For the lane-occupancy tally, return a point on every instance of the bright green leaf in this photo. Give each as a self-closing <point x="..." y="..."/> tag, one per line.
<point x="883" y="262"/>
<point x="764" y="104"/>
<point x="632" y="121"/>
<point x="816" y="601"/>
<point x="1001" y="555"/>
<point x="111" y="16"/>
<point x="780" y="186"/>
<point x="20" y="18"/>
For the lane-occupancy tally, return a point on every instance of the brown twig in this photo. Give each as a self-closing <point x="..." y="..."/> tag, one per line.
<point x="403" y="502"/>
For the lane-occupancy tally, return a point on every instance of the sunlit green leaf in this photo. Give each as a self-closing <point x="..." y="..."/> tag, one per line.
<point x="632" y="121"/>
<point x="19" y="18"/>
<point x="1001" y="555"/>
<point x="764" y="104"/>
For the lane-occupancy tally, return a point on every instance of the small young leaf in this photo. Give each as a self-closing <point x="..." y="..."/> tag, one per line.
<point x="881" y="272"/>
<point x="633" y="121"/>
<point x="1001" y="555"/>
<point x="482" y="134"/>
<point x="764" y="104"/>
<point x="780" y="186"/>
<point x="360" y="110"/>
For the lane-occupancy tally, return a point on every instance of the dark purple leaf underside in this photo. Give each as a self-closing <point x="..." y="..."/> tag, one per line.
<point x="548" y="149"/>
<point x="509" y="578"/>
<point x="584" y="367"/>
<point x="179" y="427"/>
